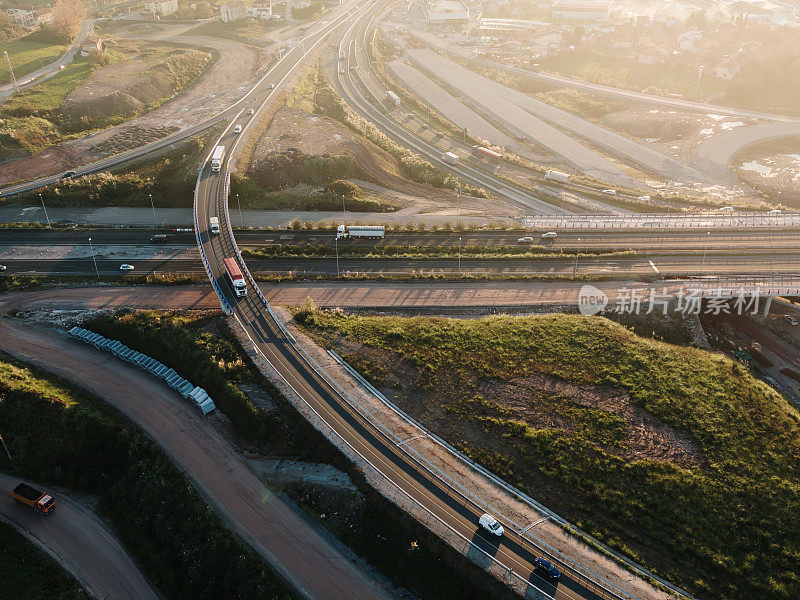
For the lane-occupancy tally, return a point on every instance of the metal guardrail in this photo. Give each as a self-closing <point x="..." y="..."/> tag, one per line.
<point x="185" y="388"/>
<point x="663" y="220"/>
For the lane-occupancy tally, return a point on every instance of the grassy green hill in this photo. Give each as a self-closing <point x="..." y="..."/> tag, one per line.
<point x="678" y="457"/>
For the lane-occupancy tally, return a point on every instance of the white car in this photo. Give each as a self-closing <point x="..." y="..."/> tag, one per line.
<point x="549" y="235"/>
<point x="126" y="267"/>
<point x="490" y="524"/>
<point x="525" y="240"/>
<point x="774" y="212"/>
<point x="643" y="198"/>
<point x="610" y="192"/>
<point x="3" y="267"/>
<point x="251" y="112"/>
<point x="237" y="129"/>
<point x="271" y="86"/>
<point x="726" y="209"/>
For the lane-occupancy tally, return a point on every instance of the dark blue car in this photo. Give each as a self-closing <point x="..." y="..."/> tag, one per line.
<point x="546" y="568"/>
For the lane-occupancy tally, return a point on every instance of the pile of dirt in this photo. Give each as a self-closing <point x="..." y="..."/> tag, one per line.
<point x="130" y="138"/>
<point x="655" y="126"/>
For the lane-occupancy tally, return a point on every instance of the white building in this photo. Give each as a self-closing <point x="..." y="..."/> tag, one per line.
<point x="164" y="9"/>
<point x="233" y="11"/>
<point x="443" y="13"/>
<point x="260" y="10"/>
<point x="24" y="18"/>
<point x="581" y="10"/>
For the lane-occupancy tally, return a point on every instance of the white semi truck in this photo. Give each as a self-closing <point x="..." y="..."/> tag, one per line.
<point x="360" y="232"/>
<point x="214" y="224"/>
<point x="450" y="158"/>
<point x="552" y="175"/>
<point x="392" y="98"/>
<point x="216" y="158"/>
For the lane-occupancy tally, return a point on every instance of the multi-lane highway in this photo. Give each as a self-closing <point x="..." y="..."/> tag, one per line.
<point x="15" y="240"/>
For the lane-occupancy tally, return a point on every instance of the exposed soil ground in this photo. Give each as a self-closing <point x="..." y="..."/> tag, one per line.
<point x="774" y="169"/>
<point x="316" y="134"/>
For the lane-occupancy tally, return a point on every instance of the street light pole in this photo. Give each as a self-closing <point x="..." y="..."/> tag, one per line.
<point x="241" y="218"/>
<point x="337" y="253"/>
<point x="459" y="256"/>
<point x="153" y="206"/>
<point x="91" y="250"/>
<point x="45" y="210"/>
<point x="705" y="249"/>
<point x="577" y="252"/>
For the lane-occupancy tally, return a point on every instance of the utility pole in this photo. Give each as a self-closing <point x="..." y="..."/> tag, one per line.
<point x="91" y="249"/>
<point x="155" y="221"/>
<point x="45" y="210"/>
<point x="699" y="77"/>
<point x="705" y="249"/>
<point x="11" y="70"/>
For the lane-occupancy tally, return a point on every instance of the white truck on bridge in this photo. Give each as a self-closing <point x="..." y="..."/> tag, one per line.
<point x="216" y="158"/>
<point x="213" y="223"/>
<point x="360" y="232"/>
<point x="450" y="158"/>
<point x="392" y="98"/>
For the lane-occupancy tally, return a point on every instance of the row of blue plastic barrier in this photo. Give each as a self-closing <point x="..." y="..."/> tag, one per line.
<point x="179" y="384"/>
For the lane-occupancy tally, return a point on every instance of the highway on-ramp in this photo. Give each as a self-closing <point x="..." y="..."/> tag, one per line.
<point x="80" y="542"/>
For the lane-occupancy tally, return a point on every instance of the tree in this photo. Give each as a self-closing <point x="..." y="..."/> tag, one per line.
<point x="68" y="16"/>
<point x="204" y="10"/>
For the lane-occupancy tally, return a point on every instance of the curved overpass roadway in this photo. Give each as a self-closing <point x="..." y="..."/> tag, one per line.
<point x="433" y="491"/>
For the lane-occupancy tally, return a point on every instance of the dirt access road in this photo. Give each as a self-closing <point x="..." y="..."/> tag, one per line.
<point x="80" y="542"/>
<point x="310" y="563"/>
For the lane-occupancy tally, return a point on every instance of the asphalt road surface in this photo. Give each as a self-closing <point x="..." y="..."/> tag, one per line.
<point x="308" y="561"/>
<point x="653" y="264"/>
<point x="495" y="98"/>
<point x="589" y="239"/>
<point x="78" y="540"/>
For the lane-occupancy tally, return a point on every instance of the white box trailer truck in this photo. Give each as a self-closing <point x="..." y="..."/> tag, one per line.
<point x="360" y="232"/>
<point x="552" y="175"/>
<point x="450" y="158"/>
<point x="216" y="158"/>
<point x="213" y="222"/>
<point x="392" y="98"/>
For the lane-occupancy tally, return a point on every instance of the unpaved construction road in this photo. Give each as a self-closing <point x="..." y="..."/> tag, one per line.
<point x="81" y="543"/>
<point x="309" y="562"/>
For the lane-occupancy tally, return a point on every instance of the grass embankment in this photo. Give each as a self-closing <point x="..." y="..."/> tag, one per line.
<point x="678" y="457"/>
<point x="28" y="54"/>
<point x="60" y="435"/>
<point x="40" y="116"/>
<point x="401" y="251"/>
<point x="314" y="94"/>
<point x="27" y="572"/>
<point x="294" y="180"/>
<point x="205" y="351"/>
<point x="170" y="178"/>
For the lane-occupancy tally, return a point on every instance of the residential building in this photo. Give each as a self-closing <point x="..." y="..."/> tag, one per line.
<point x="652" y="56"/>
<point x="260" y="10"/>
<point x="445" y="13"/>
<point x="23" y="17"/>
